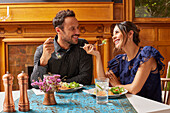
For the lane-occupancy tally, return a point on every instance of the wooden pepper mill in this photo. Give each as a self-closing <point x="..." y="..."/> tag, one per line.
<point x="8" y="105"/>
<point x="23" y="104"/>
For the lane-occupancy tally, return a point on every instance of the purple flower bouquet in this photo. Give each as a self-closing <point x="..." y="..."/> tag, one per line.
<point x="49" y="83"/>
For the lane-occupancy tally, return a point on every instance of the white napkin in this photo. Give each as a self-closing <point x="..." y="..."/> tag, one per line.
<point x="37" y="91"/>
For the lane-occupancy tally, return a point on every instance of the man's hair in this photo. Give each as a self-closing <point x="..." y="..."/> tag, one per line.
<point x="60" y="17"/>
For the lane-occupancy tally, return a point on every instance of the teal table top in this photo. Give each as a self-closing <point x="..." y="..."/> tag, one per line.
<point x="77" y="102"/>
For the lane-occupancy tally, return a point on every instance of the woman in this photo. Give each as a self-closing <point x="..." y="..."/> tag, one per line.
<point x="138" y="70"/>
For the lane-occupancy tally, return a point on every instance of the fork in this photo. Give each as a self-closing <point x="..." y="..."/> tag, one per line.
<point x="103" y="42"/>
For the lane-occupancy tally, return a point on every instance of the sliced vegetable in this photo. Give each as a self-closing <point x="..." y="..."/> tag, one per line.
<point x="99" y="86"/>
<point x="72" y="85"/>
<point x="117" y="90"/>
<point x="104" y="41"/>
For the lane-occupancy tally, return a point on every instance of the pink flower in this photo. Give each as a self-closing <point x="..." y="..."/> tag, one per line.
<point x="49" y="83"/>
<point x="51" y="77"/>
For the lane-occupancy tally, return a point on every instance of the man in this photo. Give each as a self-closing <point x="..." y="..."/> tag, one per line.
<point x="63" y="54"/>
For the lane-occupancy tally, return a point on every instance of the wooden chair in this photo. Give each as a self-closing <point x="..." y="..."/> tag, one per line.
<point x="165" y="90"/>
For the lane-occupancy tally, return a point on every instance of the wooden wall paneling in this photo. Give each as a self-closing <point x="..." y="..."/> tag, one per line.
<point x="164" y="33"/>
<point x="6" y="58"/>
<point x="164" y="46"/>
<point x="124" y="10"/>
<point x="24" y="40"/>
<point x="10" y="30"/>
<point x="1" y="82"/>
<point x="2" y="63"/>
<point x="118" y="12"/>
<point x="93" y="29"/>
<point x="165" y="52"/>
<point x="27" y="31"/>
<point x="96" y="11"/>
<point x="147" y="33"/>
<point x="38" y="30"/>
<point x="129" y="4"/>
<point x="152" y="20"/>
<point x="106" y="54"/>
<point x="106" y="36"/>
<point x="147" y="36"/>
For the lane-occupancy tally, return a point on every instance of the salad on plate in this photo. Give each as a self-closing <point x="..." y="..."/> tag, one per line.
<point x="112" y="92"/>
<point x="69" y="87"/>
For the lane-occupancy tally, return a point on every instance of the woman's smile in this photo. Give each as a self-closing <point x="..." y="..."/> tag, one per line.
<point x="116" y="41"/>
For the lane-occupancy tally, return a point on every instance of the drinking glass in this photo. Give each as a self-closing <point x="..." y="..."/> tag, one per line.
<point x="101" y="87"/>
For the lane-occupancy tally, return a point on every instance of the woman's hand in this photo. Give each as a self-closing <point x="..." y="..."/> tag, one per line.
<point x="90" y="49"/>
<point x="112" y="78"/>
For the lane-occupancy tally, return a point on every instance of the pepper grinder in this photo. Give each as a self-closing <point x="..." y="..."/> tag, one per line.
<point x="8" y="105"/>
<point x="23" y="104"/>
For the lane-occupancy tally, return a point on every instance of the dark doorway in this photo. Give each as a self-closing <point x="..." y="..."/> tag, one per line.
<point x="29" y="70"/>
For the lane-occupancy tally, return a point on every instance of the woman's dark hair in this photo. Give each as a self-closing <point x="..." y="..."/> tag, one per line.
<point x="60" y="17"/>
<point x="126" y="26"/>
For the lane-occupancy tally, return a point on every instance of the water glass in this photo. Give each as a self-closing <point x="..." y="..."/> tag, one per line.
<point x="101" y="86"/>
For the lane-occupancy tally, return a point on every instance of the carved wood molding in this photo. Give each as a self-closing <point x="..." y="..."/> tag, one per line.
<point x="91" y="28"/>
<point x="47" y="30"/>
<point x="24" y="40"/>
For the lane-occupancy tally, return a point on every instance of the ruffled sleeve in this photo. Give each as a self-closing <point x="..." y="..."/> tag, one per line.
<point x="114" y="64"/>
<point x="146" y="53"/>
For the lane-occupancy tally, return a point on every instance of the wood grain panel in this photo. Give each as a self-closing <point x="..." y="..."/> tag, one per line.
<point x="164" y="34"/>
<point x="152" y="20"/>
<point x="118" y="12"/>
<point x="2" y="63"/>
<point x="38" y="31"/>
<point x="147" y="34"/>
<point x="165" y="52"/>
<point x="85" y="11"/>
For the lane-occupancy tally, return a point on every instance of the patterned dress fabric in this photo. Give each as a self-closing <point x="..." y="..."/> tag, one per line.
<point x="126" y="70"/>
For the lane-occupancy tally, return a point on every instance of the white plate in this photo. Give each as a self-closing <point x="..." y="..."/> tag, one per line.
<point x="71" y="90"/>
<point x="91" y="92"/>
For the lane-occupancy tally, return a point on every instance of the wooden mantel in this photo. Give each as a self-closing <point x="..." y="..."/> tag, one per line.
<point x="85" y="11"/>
<point x="30" y="24"/>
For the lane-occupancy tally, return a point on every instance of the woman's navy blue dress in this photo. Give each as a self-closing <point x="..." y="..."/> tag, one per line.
<point x="126" y="70"/>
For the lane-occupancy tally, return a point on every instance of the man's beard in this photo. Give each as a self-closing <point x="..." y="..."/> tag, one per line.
<point x="70" y="41"/>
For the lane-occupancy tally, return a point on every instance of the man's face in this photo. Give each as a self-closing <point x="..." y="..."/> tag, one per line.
<point x="70" y="32"/>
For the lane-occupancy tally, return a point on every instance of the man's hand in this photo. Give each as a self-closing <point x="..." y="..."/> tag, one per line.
<point x="48" y="49"/>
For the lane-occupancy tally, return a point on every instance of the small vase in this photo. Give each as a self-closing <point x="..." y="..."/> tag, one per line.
<point x="49" y="98"/>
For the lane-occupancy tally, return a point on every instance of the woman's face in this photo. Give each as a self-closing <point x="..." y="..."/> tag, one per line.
<point x="117" y="38"/>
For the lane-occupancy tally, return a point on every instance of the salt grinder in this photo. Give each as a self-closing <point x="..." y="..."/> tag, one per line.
<point x="23" y="104"/>
<point x="8" y="105"/>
